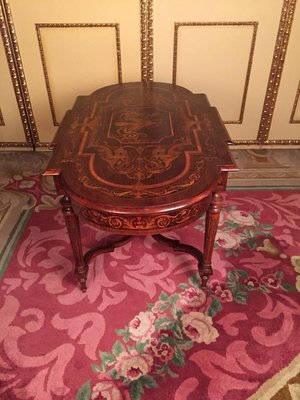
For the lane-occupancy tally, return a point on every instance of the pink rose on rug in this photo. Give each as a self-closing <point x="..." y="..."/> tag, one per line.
<point x="228" y="240"/>
<point x="198" y="327"/>
<point x="161" y="350"/>
<point x="105" y="391"/>
<point x="221" y="291"/>
<point x="142" y="326"/>
<point x="133" y="365"/>
<point x="241" y="217"/>
<point x="193" y="299"/>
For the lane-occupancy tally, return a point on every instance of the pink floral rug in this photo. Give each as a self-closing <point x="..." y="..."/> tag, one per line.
<point x="145" y="329"/>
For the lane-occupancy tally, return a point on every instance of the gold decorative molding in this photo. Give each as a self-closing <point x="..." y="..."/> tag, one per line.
<point x="146" y="40"/>
<point x="73" y="25"/>
<point x="16" y="144"/>
<point x="292" y="120"/>
<point x="282" y="40"/>
<point x="17" y="73"/>
<point x="282" y="142"/>
<point x="252" y="24"/>
<point x="2" y="123"/>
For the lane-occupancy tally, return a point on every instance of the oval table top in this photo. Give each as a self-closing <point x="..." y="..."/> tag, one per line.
<point x="140" y="146"/>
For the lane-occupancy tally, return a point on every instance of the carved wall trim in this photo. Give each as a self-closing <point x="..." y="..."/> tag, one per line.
<point x="282" y="142"/>
<point x="252" y="24"/>
<point x="282" y="40"/>
<point x="17" y="73"/>
<point x="146" y="40"/>
<point x="292" y="120"/>
<point x="39" y="27"/>
<point x="2" y="123"/>
<point x="15" y="144"/>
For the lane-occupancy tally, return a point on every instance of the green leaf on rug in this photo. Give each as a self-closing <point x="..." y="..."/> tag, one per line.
<point x="84" y="393"/>
<point x="124" y="333"/>
<point x="279" y="274"/>
<point x="195" y="280"/>
<point x="148" y="381"/>
<point x="288" y="287"/>
<point x="136" y="390"/>
<point x="141" y="347"/>
<point x="106" y="359"/>
<point x="118" y="348"/>
<point x="264" y="289"/>
<point x="163" y="296"/>
<point x="242" y="274"/>
<point x="96" y="368"/>
<point x="214" y="307"/>
<point x="174" y="298"/>
<point x="187" y="345"/>
<point x="172" y="373"/>
<point x="266" y="227"/>
<point x="163" y="323"/>
<point x="113" y="374"/>
<point x="179" y="357"/>
<point x="232" y="277"/>
<point x="241" y="297"/>
<point x="183" y="286"/>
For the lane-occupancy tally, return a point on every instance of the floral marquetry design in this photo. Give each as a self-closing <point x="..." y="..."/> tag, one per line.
<point x="145" y="223"/>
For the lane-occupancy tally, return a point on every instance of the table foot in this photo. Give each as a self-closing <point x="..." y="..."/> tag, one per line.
<point x="81" y="276"/>
<point x="204" y="271"/>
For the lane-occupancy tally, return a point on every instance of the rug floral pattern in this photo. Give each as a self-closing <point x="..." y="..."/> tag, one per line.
<point x="145" y="329"/>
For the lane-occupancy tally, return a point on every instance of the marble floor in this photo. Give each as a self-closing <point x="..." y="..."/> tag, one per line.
<point x="266" y="168"/>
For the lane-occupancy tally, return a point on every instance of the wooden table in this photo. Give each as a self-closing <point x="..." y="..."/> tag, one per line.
<point x="140" y="159"/>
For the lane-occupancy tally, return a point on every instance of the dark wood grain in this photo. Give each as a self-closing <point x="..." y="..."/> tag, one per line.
<point x="142" y="158"/>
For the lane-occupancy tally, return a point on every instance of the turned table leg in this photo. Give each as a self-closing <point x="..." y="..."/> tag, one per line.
<point x="72" y="222"/>
<point x="211" y="226"/>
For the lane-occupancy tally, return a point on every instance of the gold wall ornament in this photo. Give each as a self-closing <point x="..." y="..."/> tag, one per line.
<point x="281" y="45"/>
<point x="15" y="65"/>
<point x="292" y="120"/>
<point x="146" y="40"/>
<point x="39" y="27"/>
<point x="286" y="142"/>
<point x="252" y="24"/>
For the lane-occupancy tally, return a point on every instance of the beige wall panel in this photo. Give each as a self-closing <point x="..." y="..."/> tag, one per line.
<point x="224" y="50"/>
<point x="286" y="120"/>
<point x="89" y="59"/>
<point x="11" y="128"/>
<point x="217" y="60"/>
<point x="78" y="60"/>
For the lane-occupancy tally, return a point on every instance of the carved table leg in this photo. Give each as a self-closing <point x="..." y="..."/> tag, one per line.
<point x="72" y="222"/>
<point x="211" y="226"/>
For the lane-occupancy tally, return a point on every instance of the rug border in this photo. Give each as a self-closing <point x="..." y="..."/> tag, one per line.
<point x="272" y="386"/>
